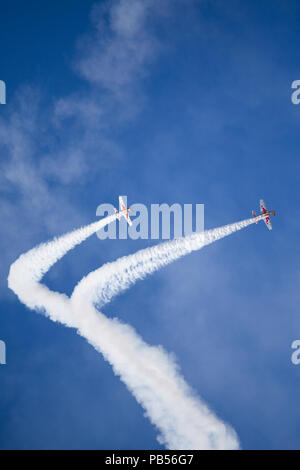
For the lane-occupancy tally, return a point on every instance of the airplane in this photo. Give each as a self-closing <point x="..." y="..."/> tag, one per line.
<point x="124" y="211"/>
<point x="265" y="214"/>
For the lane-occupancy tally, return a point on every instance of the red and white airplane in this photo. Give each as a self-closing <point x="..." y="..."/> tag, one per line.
<point x="265" y="214"/>
<point x="123" y="211"/>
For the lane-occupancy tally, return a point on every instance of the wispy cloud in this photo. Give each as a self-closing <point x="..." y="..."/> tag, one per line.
<point x="121" y="45"/>
<point x="47" y="149"/>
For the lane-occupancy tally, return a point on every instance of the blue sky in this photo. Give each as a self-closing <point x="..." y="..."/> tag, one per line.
<point x="195" y="107"/>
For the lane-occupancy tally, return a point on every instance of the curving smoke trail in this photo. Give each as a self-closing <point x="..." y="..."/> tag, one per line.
<point x="184" y="421"/>
<point x="113" y="278"/>
<point x="26" y="272"/>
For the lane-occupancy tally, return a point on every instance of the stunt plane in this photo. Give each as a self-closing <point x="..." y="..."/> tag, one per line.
<point x="123" y="211"/>
<point x="266" y="215"/>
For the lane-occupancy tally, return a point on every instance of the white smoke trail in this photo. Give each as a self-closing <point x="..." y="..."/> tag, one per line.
<point x="26" y="272"/>
<point x="113" y="278"/>
<point x="183" y="420"/>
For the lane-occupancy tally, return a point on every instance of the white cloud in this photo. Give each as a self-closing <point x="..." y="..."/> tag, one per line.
<point x="121" y="45"/>
<point x="47" y="150"/>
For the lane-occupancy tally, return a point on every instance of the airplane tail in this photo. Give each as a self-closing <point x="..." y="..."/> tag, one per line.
<point x="254" y="215"/>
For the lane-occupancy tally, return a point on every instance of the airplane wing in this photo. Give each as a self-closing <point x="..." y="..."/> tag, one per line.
<point x="123" y="207"/>
<point x="263" y="207"/>
<point x="122" y="204"/>
<point x="264" y="210"/>
<point x="128" y="219"/>
<point x="268" y="223"/>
